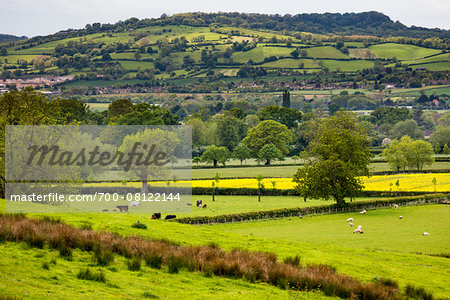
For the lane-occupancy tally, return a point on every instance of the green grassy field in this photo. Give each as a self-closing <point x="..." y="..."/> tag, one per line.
<point x="22" y="275"/>
<point x="363" y="262"/>
<point x="383" y="229"/>
<point x="402" y="52"/>
<point x="325" y="52"/>
<point x="348" y="66"/>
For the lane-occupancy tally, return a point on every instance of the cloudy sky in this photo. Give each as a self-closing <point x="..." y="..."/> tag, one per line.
<point x="40" y="17"/>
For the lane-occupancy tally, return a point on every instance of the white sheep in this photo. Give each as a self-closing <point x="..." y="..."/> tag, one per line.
<point x="396" y="206"/>
<point x="350" y="224"/>
<point x="359" y="227"/>
<point x="135" y="204"/>
<point x="426" y="233"/>
<point x="401" y="217"/>
<point x="350" y="220"/>
<point x="358" y="230"/>
<point x="363" y="212"/>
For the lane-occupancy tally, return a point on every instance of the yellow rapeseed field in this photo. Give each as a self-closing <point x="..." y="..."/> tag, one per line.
<point x="407" y="182"/>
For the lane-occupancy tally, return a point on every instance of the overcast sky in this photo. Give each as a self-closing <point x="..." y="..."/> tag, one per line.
<point x="40" y="17"/>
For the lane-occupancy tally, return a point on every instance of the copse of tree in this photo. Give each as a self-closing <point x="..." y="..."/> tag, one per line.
<point x="290" y="117"/>
<point x="389" y="115"/>
<point x="146" y="114"/>
<point x="73" y="110"/>
<point x="406" y="152"/>
<point x="268" y="153"/>
<point x="408" y="127"/>
<point x="214" y="154"/>
<point x="441" y="136"/>
<point x="335" y="158"/>
<point x="267" y="132"/>
<point x="119" y="108"/>
<point x="230" y="131"/>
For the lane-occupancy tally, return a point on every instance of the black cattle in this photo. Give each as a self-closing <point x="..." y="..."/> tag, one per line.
<point x="122" y="208"/>
<point x="157" y="215"/>
<point x="170" y="217"/>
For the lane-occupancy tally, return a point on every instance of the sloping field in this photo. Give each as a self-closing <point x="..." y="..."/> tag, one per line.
<point x="402" y="52"/>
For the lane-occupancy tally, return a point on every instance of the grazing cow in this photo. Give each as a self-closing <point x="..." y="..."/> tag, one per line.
<point x="157" y="215"/>
<point x="153" y="217"/>
<point x="170" y="217"/>
<point x="114" y="209"/>
<point x="204" y="205"/>
<point x="105" y="210"/>
<point x="199" y="203"/>
<point x="122" y="208"/>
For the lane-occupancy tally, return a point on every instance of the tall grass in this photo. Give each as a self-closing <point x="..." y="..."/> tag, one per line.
<point x="211" y="260"/>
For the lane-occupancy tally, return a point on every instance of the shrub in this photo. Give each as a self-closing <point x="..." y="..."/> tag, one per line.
<point x="174" y="263"/>
<point x="386" y="282"/>
<point x="65" y="250"/>
<point x="417" y="293"/>
<point x="45" y="266"/>
<point x="149" y="295"/>
<point x="87" y="274"/>
<point x="139" y="225"/>
<point x="103" y="257"/>
<point x="134" y="264"/>
<point x="153" y="260"/>
<point x="293" y="261"/>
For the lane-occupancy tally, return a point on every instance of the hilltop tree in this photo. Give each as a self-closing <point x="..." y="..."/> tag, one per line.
<point x="336" y="157"/>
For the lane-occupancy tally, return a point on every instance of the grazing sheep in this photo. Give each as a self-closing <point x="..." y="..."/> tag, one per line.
<point x="363" y="212"/>
<point x="301" y="217"/>
<point x="350" y="220"/>
<point x="358" y="230"/>
<point x="350" y="224"/>
<point x="135" y="204"/>
<point x="396" y="206"/>
<point x="426" y="233"/>
<point x="401" y="217"/>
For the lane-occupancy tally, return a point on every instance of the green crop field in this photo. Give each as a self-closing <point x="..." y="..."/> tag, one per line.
<point x="401" y="52"/>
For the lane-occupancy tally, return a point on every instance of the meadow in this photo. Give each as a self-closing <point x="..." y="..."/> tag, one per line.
<point x="326" y="239"/>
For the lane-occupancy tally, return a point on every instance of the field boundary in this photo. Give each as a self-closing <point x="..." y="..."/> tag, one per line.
<point x="313" y="210"/>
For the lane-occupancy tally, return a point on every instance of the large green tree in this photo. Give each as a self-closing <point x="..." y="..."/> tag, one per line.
<point x="215" y="155"/>
<point x="268" y="153"/>
<point x="409" y="153"/>
<point x="241" y="152"/>
<point x="290" y="117"/>
<point x="335" y="159"/>
<point x="267" y="132"/>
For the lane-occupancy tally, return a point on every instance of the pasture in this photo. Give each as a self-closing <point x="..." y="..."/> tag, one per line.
<point x="379" y="252"/>
<point x="402" y="52"/>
